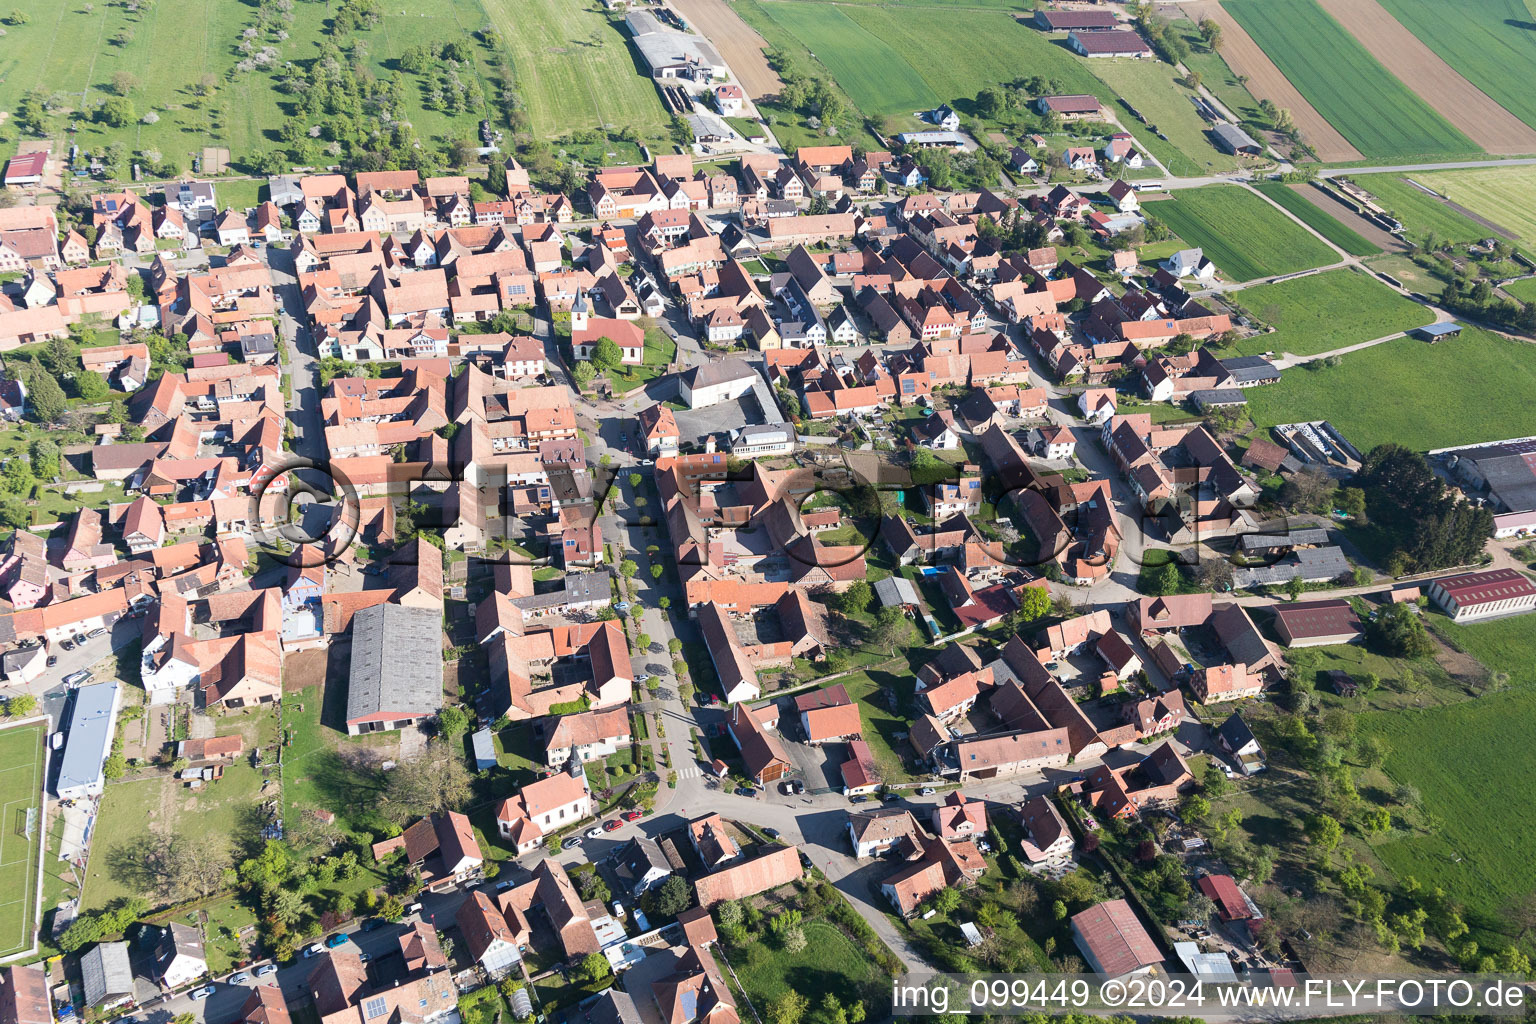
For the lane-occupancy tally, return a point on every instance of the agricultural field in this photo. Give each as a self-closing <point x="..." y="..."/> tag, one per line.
<point x="1317" y="219"/>
<point x="575" y="68"/>
<point x="1418" y="211"/>
<point x="1502" y="195"/>
<point x="22" y="763"/>
<point x="1240" y="232"/>
<point x="1375" y="111"/>
<point x="873" y="74"/>
<point x="1478" y="387"/>
<point x="1322" y="312"/>
<point x="1488" y="41"/>
<point x="1150" y="86"/>
<point x="1215" y="74"/>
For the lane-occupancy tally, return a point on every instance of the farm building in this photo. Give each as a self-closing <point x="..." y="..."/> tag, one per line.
<point x="1069" y="108"/>
<point x="1483" y="595"/>
<point x="672" y="54"/>
<point x="25" y="169"/>
<point x="1119" y="43"/>
<point x="932" y="140"/>
<point x="1075" y="21"/>
<point x="1316" y="623"/>
<point x="1232" y="139"/>
<point x="1436" y="332"/>
<point x="1113" y="941"/>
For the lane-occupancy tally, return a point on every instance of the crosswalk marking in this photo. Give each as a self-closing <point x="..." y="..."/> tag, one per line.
<point x="690" y="772"/>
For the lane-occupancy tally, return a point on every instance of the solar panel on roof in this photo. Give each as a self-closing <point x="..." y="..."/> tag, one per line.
<point x="111" y="204"/>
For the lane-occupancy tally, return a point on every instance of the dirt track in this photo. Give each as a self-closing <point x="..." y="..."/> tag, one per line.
<point x="738" y="42"/>
<point x="1436" y="82"/>
<point x="1265" y="81"/>
<point x="1366" y="229"/>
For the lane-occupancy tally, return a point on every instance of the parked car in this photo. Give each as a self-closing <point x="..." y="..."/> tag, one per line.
<point x="631" y="815"/>
<point x="97" y="631"/>
<point x="266" y="969"/>
<point x="365" y="957"/>
<point x="77" y="677"/>
<point x="857" y="799"/>
<point x="202" y="993"/>
<point x="313" y="949"/>
<point x="595" y="832"/>
<point x="78" y="638"/>
<point x="612" y="825"/>
<point x="53" y="659"/>
<point x="745" y="791"/>
<point x="68" y="645"/>
<point x="771" y="833"/>
<point x="339" y="939"/>
<point x="370" y="923"/>
<point x="926" y="791"/>
<point x="571" y="843"/>
<point x="238" y="978"/>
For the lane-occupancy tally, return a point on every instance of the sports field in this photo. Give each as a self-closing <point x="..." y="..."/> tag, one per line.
<point x="1317" y="219"/>
<point x="1489" y="41"/>
<point x="1503" y="195"/>
<point x="1240" y="232"/>
<point x="1375" y="111"/>
<point x="874" y="75"/>
<point x="1478" y="387"/>
<point x="1150" y="86"/>
<point x="1418" y="211"/>
<point x="1322" y="312"/>
<point x="21" y="789"/>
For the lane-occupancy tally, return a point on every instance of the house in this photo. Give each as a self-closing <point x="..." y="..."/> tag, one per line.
<point x="641" y="863"/>
<point x="231" y="229"/>
<point x="721" y="380"/>
<point x="945" y="117"/>
<point x="179" y="957"/>
<point x="443" y="847"/>
<point x="265" y="1005"/>
<point x="763" y="757"/>
<point x="106" y="975"/>
<point x="24" y="995"/>
<point x="1231" y="904"/>
<point x="490" y="942"/>
<point x="766" y="871"/>
<point x="1190" y="262"/>
<point x="937" y="432"/>
<point x="395" y="673"/>
<point x="1113" y="941"/>
<point x="939" y="865"/>
<point x="959" y="817"/>
<point x="544" y="807"/>
<point x="1122" y="196"/>
<point x="587" y="735"/>
<point x="828" y="716"/>
<point x="88" y="741"/>
<point x="712" y="842"/>
<point x="1216" y="683"/>
<point x="1243" y="642"/>
<point x="1118" y="654"/>
<point x="1317" y="623"/>
<point x="1047" y="846"/>
<point x="875" y="833"/>
<point x="1234" y="737"/>
<point x="658" y="428"/>
<point x="729" y="99"/>
<point x="1483" y="595"/>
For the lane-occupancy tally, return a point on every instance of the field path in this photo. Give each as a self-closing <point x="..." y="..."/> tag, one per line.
<point x="1437" y="83"/>
<point x="739" y="43"/>
<point x="1265" y="81"/>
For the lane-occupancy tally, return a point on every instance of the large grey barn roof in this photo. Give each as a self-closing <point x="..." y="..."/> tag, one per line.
<point x="397" y="661"/>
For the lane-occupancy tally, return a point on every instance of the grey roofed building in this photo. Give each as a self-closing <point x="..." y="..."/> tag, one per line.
<point x="1217" y="398"/>
<point x="284" y="189"/>
<point x="1246" y="371"/>
<point x="1234" y="140"/>
<point x="1313" y="565"/>
<point x="755" y="434"/>
<point x="718" y="371"/>
<point x="1234" y="732"/>
<point x="1249" y="543"/>
<point x="641" y="863"/>
<point x="484" y="746"/>
<point x="88" y="740"/>
<point x="396" y="673"/>
<point x="578" y="590"/>
<point x="614" y="1007"/>
<point x="19" y="663"/>
<point x="105" y="973"/>
<point x="896" y="590"/>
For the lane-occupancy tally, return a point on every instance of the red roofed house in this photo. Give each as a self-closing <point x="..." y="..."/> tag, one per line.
<point x="444" y="846"/>
<point x="1230" y="902"/>
<point x="958" y="817"/>
<point x="748" y="878"/>
<point x="941" y="866"/>
<point x="828" y="716"/>
<point x="1225" y="682"/>
<point x="859" y="773"/>
<point x="628" y="336"/>
<point x="762" y="754"/>
<point x="544" y="807"/>
<point x="1483" y="595"/>
<point x="1113" y="941"/>
<point x="491" y="943"/>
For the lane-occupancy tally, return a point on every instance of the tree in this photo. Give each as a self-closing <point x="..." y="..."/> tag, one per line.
<point x="59" y="355"/>
<point x="434" y="780"/>
<point x="642" y="641"/>
<point x="606" y="354"/>
<point x="891" y="629"/>
<point x="1294" y="588"/>
<point x="1432" y="525"/>
<point x="1210" y="31"/>
<point x="17" y="477"/>
<point x="123" y="83"/>
<point x="628" y="568"/>
<point x="946" y="900"/>
<point x="584" y="372"/>
<point x="1324" y="832"/>
<point x="92" y="386"/>
<point x="117" y="111"/>
<point x="1398" y="630"/>
<point x="44" y="457"/>
<point x="44" y="396"/>
<point x="1310" y="490"/>
<point x="452" y="721"/>
<point x="924" y="461"/>
<point x="17" y="17"/>
<point x="672" y="896"/>
<point x="1168" y="580"/>
<point x="595" y="967"/>
<point x="287" y="907"/>
<point x="1033" y="603"/>
<point x="21" y="705"/>
<point x="855" y="599"/>
<point x="788" y="1009"/>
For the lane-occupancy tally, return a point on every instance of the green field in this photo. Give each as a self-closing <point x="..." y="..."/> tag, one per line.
<point x="1502" y="195"/>
<point x="1465" y="759"/>
<point x="873" y="74"/>
<point x="1150" y="86"/>
<point x="1371" y="108"/>
<point x="575" y="68"/>
<point x="1419" y="212"/>
<point x="1240" y="232"/>
<point x="1523" y="289"/>
<point x="1317" y="218"/>
<point x="1215" y="74"/>
<point x="1478" y="387"/>
<point x="830" y="963"/>
<point x="1322" y="312"/>
<point x="1488" y="41"/>
<point x="21" y="788"/>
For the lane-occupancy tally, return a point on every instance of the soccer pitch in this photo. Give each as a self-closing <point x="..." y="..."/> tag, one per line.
<point x="22" y="763"/>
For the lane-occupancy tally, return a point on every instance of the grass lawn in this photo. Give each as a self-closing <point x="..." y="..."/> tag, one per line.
<point x="1523" y="289"/>
<point x="830" y="963"/>
<point x="1419" y="212"/>
<point x="1409" y="274"/>
<point x="1244" y="235"/>
<point x="1317" y="218"/>
<point x="1370" y="107"/>
<point x="1321" y="312"/>
<point x="575" y="68"/>
<point x="1150" y="86"/>
<point x="880" y="723"/>
<point x="1489" y="42"/>
<point x="1500" y="194"/>
<point x="21" y="791"/>
<point x="1479" y="387"/>
<point x="659" y="352"/>
<point x="315" y="775"/>
<point x="874" y="74"/>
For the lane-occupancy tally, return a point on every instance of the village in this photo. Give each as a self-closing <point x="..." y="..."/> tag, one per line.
<point x="623" y="584"/>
